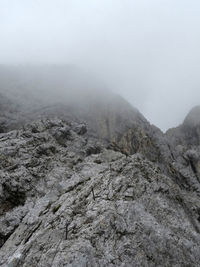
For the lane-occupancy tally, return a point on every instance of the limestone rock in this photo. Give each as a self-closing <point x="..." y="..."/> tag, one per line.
<point x="68" y="207"/>
<point x="93" y="183"/>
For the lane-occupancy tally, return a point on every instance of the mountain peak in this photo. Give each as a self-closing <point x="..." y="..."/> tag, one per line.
<point x="193" y="117"/>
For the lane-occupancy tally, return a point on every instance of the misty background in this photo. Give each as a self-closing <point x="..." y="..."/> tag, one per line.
<point x="145" y="50"/>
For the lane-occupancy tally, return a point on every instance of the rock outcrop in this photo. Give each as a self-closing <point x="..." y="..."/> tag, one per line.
<point x="66" y="200"/>
<point x="94" y="184"/>
<point x="185" y="143"/>
<point x="47" y="92"/>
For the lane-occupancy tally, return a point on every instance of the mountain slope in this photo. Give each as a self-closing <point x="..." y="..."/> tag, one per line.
<point x="66" y="92"/>
<point x="66" y="200"/>
<point x="86" y="180"/>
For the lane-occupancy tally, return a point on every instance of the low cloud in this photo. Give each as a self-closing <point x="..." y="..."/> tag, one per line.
<point x="148" y="51"/>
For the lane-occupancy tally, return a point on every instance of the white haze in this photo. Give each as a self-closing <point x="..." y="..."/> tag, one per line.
<point x="146" y="50"/>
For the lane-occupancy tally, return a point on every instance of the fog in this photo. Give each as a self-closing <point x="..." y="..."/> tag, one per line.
<point x="145" y="50"/>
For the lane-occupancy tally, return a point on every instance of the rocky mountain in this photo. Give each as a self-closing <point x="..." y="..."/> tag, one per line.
<point x="46" y="91"/>
<point x="93" y="183"/>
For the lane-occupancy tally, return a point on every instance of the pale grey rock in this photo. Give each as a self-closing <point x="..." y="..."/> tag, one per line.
<point x="93" y="184"/>
<point x="63" y="206"/>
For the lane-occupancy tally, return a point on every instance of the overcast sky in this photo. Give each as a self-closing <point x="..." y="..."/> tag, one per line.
<point x="146" y="50"/>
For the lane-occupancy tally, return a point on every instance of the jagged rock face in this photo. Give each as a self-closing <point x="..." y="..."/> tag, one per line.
<point x="187" y="133"/>
<point x="66" y="200"/>
<point x="185" y="142"/>
<point x="99" y="186"/>
<point x="108" y="116"/>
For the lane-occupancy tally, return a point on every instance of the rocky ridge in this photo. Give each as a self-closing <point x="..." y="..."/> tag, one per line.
<point x="67" y="200"/>
<point x="93" y="183"/>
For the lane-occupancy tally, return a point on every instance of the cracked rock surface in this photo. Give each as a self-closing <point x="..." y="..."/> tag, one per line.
<point x="92" y="182"/>
<point x="67" y="200"/>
